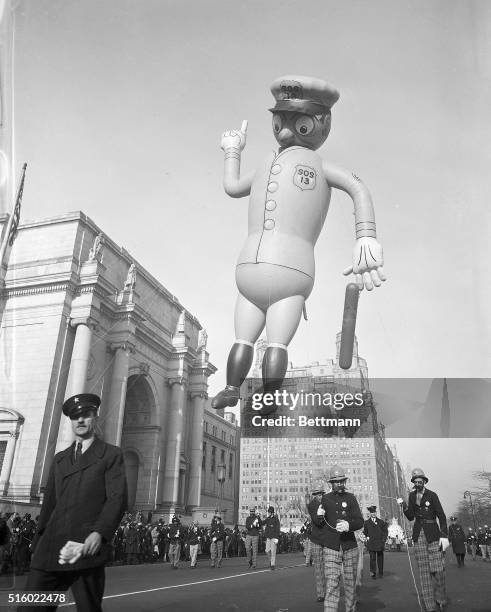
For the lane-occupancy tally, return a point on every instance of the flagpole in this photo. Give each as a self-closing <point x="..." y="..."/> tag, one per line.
<point x="11" y="229"/>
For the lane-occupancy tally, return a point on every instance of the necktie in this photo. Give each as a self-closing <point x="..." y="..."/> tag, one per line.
<point x="78" y="451"/>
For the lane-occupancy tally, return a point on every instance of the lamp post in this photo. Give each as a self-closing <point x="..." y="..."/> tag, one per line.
<point x="468" y="493"/>
<point x="221" y="474"/>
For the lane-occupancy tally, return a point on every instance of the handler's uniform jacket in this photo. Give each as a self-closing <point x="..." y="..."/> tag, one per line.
<point x="253" y="529"/>
<point x="271" y="526"/>
<point x="287" y="209"/>
<point x="339" y="506"/>
<point x="218" y="532"/>
<point x="425" y="516"/>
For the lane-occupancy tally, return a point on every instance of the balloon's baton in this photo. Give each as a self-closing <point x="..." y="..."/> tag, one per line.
<point x="243" y="128"/>
<point x="349" y="323"/>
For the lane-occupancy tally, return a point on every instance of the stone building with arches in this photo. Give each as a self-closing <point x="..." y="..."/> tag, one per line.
<point x="78" y="314"/>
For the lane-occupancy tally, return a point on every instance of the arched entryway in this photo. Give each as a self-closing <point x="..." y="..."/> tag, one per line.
<point x="132" y="464"/>
<point x="139" y="442"/>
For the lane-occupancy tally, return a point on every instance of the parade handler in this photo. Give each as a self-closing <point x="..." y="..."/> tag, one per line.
<point x="84" y="502"/>
<point x="375" y="531"/>
<point x="339" y="514"/>
<point x="430" y="540"/>
<point x="289" y="200"/>
<point x="318" y="537"/>
<point x="271" y="525"/>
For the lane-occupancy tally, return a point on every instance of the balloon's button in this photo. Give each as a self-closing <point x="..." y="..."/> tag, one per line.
<point x="270" y="205"/>
<point x="269" y="224"/>
<point x="272" y="187"/>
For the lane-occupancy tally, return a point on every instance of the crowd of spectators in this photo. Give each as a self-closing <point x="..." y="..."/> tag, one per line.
<point x="138" y="539"/>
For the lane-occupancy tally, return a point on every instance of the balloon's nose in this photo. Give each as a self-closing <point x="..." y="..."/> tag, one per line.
<point x="286" y="136"/>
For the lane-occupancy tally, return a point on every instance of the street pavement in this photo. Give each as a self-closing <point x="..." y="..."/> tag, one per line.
<point x="290" y="588"/>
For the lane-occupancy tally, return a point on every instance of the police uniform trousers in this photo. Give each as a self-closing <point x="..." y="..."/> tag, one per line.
<point x="251" y="545"/>
<point x="335" y="563"/>
<point x="319" y="577"/>
<point x="174" y="553"/>
<point x="216" y="553"/>
<point x="431" y="565"/>
<point x="307" y="550"/>
<point x="87" y="587"/>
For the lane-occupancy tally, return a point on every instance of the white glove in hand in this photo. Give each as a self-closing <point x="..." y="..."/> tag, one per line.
<point x="342" y="526"/>
<point x="400" y="501"/>
<point x="275" y="540"/>
<point x="70" y="553"/>
<point x="444" y="543"/>
<point x="214" y="539"/>
<point x="320" y="511"/>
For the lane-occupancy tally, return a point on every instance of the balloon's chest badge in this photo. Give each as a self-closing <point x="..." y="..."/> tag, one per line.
<point x="304" y="177"/>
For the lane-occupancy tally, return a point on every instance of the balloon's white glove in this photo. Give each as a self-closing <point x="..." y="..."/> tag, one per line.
<point x="342" y="526"/>
<point x="444" y="543"/>
<point x="235" y="139"/>
<point x="368" y="261"/>
<point x="320" y="511"/>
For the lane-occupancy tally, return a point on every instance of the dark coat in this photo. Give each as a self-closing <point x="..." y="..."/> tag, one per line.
<point x="426" y="514"/>
<point x="82" y="497"/>
<point x="376" y="534"/>
<point x="318" y="534"/>
<point x="253" y="525"/>
<point x="457" y="538"/>
<point x="271" y="526"/>
<point x="339" y="506"/>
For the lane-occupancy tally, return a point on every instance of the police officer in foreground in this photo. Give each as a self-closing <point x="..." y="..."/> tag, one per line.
<point x="430" y="540"/>
<point x="339" y="514"/>
<point x="84" y="502"/>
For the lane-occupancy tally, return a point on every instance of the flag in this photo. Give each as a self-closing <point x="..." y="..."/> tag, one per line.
<point x="445" y="415"/>
<point x="16" y="213"/>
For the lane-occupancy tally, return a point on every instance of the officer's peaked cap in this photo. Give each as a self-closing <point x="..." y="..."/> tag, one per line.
<point x="372" y="508"/>
<point x="78" y="404"/>
<point x="303" y="95"/>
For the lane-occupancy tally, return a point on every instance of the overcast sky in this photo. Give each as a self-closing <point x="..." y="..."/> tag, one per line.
<point x="119" y="110"/>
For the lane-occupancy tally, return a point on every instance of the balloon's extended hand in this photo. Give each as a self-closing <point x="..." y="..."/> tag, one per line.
<point x="235" y="139"/>
<point x="368" y="261"/>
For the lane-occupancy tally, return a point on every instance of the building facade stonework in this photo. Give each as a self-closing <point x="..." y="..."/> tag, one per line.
<point x="78" y="314"/>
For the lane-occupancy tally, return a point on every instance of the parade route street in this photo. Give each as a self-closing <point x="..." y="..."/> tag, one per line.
<point x="234" y="588"/>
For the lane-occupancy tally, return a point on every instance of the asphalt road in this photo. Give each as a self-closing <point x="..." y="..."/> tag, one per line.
<point x="290" y="588"/>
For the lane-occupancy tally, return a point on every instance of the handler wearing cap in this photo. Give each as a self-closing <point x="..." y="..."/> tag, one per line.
<point x="430" y="539"/>
<point x="289" y="199"/>
<point x="375" y="531"/>
<point x="340" y="516"/>
<point x="271" y="525"/>
<point x="84" y="501"/>
<point x="318" y="541"/>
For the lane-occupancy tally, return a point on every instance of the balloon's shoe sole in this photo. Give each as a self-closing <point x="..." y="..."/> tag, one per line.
<point x="228" y="397"/>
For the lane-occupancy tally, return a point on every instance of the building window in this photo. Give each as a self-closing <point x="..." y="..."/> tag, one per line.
<point x="213" y="458"/>
<point x="203" y="462"/>
<point x="222" y="457"/>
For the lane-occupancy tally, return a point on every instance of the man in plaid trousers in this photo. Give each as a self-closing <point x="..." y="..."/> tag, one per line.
<point x="253" y="527"/>
<point x="340" y="516"/>
<point x="317" y="544"/>
<point x="430" y="540"/>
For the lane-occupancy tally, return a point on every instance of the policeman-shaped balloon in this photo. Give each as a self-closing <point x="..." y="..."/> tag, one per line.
<point x="289" y="200"/>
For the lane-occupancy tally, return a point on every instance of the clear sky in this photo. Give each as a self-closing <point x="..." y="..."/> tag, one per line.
<point x="119" y="110"/>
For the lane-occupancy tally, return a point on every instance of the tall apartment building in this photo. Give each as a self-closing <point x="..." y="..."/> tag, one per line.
<point x="282" y="471"/>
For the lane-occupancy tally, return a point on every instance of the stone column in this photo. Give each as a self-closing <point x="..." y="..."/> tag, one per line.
<point x="8" y="461"/>
<point x="77" y="375"/>
<point x="113" y="410"/>
<point x="174" y="443"/>
<point x="196" y="450"/>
